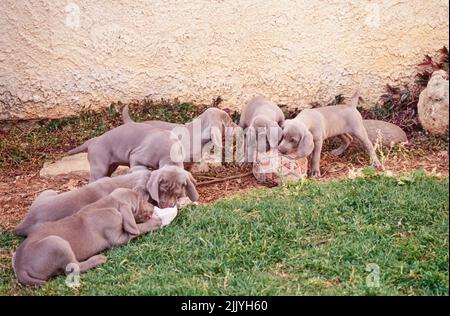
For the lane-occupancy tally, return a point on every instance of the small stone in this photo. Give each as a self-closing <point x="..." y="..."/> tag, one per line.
<point x="389" y="134"/>
<point x="76" y="165"/>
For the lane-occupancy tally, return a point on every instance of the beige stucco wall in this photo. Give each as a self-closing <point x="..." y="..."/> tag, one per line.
<point x="57" y="56"/>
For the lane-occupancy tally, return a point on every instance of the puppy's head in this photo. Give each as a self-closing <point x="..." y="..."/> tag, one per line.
<point x="214" y="121"/>
<point x="141" y="209"/>
<point x="296" y="138"/>
<point x="168" y="184"/>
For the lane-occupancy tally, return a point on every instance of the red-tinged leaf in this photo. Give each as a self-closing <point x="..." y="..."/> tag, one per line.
<point x="405" y="96"/>
<point x="427" y="61"/>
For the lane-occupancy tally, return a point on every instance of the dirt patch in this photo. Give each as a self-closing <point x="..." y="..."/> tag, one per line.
<point x="394" y="163"/>
<point x="20" y="187"/>
<point x="17" y="192"/>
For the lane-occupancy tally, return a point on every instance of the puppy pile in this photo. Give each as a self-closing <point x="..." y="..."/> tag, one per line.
<point x="74" y="227"/>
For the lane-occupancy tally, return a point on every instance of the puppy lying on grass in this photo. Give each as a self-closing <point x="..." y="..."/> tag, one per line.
<point x="111" y="221"/>
<point x="165" y="186"/>
<point x="134" y="145"/>
<point x="305" y="133"/>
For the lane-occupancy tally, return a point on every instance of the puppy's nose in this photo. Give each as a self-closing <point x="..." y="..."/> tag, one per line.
<point x="282" y="150"/>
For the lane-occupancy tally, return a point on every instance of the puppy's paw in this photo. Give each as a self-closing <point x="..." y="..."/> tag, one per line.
<point x="101" y="259"/>
<point x="315" y="174"/>
<point x="167" y="215"/>
<point x="377" y="164"/>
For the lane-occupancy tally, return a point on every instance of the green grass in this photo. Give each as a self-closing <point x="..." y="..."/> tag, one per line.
<point x="313" y="238"/>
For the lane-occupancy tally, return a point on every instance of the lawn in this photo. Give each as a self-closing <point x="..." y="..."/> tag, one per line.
<point x="305" y="238"/>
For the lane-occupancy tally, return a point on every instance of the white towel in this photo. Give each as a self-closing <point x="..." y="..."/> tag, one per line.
<point x="167" y="215"/>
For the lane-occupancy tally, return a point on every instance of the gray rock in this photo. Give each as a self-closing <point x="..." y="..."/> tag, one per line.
<point x="389" y="134"/>
<point x="433" y="104"/>
<point x="76" y="164"/>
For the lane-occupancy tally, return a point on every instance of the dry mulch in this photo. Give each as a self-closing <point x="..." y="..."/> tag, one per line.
<point x="18" y="190"/>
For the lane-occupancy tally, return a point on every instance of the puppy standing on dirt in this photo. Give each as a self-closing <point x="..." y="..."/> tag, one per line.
<point x="305" y="133"/>
<point x="165" y="186"/>
<point x="213" y="123"/>
<point x="77" y="239"/>
<point x="264" y="117"/>
<point x="131" y="144"/>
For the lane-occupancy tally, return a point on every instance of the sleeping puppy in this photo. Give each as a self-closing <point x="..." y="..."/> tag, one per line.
<point x="305" y="133"/>
<point x="134" y="145"/>
<point x="212" y="125"/>
<point x="266" y="119"/>
<point x="164" y="186"/>
<point x="77" y="239"/>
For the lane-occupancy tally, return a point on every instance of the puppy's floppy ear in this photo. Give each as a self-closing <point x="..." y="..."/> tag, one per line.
<point x="191" y="191"/>
<point x="306" y="144"/>
<point x="280" y="134"/>
<point x="128" y="220"/>
<point x="153" y="185"/>
<point x="191" y="177"/>
<point x="275" y="133"/>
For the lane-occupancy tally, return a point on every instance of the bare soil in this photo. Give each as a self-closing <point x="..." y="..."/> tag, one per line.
<point x="20" y="187"/>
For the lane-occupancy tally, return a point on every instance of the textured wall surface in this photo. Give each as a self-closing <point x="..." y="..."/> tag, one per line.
<point x="59" y="56"/>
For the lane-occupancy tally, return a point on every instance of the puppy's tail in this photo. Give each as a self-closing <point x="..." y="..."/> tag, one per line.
<point x="355" y="98"/>
<point x="126" y="116"/>
<point x="82" y="148"/>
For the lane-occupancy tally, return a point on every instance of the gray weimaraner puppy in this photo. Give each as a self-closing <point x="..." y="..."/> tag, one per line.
<point x="131" y="144"/>
<point x="111" y="221"/>
<point x="211" y="123"/>
<point x="305" y="133"/>
<point x="265" y="118"/>
<point x="165" y="186"/>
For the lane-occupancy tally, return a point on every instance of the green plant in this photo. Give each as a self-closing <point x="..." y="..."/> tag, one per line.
<point x="429" y="65"/>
